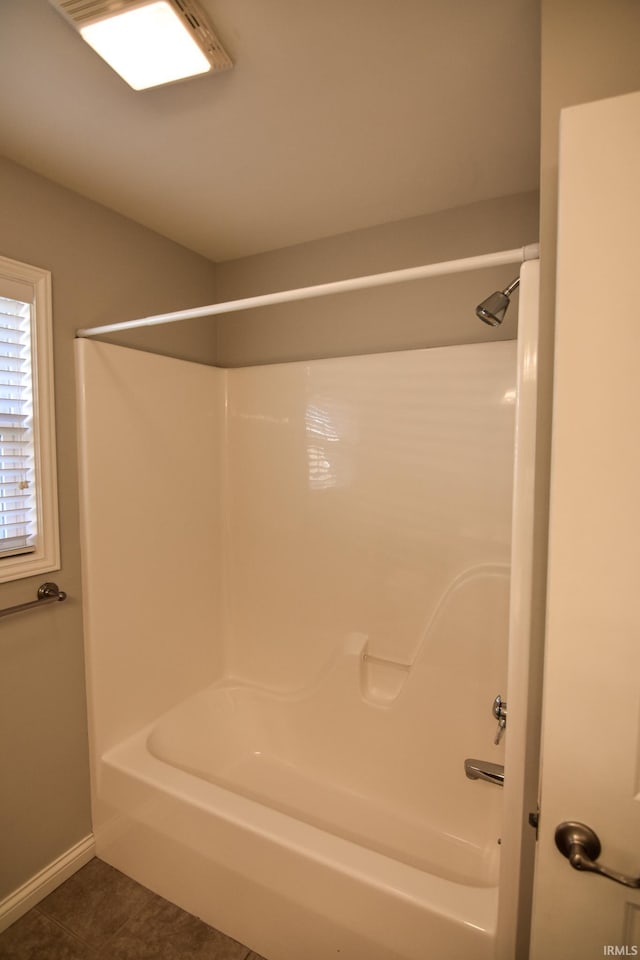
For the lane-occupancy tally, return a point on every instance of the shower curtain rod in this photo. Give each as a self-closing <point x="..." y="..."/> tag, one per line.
<point x="517" y="255"/>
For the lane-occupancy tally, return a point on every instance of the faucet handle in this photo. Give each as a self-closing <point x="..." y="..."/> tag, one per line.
<point x="499" y="711"/>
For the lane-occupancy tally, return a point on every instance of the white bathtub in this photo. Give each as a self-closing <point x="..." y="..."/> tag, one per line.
<point x="343" y="548"/>
<point x="239" y="807"/>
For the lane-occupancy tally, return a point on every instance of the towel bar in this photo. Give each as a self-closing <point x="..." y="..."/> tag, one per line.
<point x="47" y="593"/>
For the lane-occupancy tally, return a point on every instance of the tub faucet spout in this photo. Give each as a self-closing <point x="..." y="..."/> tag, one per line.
<point x="484" y="770"/>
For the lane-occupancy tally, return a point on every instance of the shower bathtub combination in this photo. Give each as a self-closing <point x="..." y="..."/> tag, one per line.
<point x="299" y="585"/>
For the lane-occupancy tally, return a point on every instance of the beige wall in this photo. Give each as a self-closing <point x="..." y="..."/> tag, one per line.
<point x="104" y="268"/>
<point x="423" y="313"/>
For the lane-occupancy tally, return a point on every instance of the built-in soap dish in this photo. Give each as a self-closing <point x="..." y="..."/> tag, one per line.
<point x="382" y="680"/>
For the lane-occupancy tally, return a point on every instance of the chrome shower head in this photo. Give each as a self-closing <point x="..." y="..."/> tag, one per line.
<point x="493" y="309"/>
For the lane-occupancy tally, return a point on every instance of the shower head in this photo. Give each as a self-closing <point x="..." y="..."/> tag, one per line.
<point x="493" y="309"/>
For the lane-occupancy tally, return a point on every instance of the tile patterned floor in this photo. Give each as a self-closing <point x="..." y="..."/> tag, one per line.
<point x="99" y="914"/>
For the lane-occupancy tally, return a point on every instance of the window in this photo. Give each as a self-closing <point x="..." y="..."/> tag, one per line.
<point x="29" y="542"/>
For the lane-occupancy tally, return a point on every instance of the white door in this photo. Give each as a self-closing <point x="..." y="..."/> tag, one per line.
<point x="591" y="725"/>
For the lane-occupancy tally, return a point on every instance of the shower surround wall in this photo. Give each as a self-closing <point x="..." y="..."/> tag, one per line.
<point x="150" y="435"/>
<point x="282" y="699"/>
<point x="358" y="490"/>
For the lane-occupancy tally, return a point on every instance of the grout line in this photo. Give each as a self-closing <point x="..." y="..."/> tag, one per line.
<point x="97" y="950"/>
<point x="62" y="926"/>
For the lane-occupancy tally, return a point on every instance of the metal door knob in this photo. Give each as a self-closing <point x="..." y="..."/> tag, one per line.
<point x="581" y="846"/>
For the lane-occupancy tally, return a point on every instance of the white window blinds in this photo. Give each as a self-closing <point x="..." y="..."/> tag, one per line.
<point x="29" y="535"/>
<point x="18" y="499"/>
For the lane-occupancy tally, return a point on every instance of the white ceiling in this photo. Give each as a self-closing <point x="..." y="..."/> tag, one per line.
<point x="338" y="114"/>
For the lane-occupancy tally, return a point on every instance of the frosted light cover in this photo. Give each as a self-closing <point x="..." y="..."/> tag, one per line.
<point x="147" y="46"/>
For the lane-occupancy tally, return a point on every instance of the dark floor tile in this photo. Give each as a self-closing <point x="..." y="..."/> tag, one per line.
<point x="35" y="937"/>
<point x="164" y="932"/>
<point x="96" y="902"/>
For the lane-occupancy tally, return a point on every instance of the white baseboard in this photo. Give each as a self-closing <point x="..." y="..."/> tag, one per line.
<point x="37" y="888"/>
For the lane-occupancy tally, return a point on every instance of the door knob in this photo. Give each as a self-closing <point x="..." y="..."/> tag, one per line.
<point x="581" y="846"/>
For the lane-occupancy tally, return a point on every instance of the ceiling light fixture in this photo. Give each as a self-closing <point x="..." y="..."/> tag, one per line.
<point x="148" y="42"/>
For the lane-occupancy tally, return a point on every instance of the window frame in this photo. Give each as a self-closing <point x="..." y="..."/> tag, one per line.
<point x="46" y="555"/>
